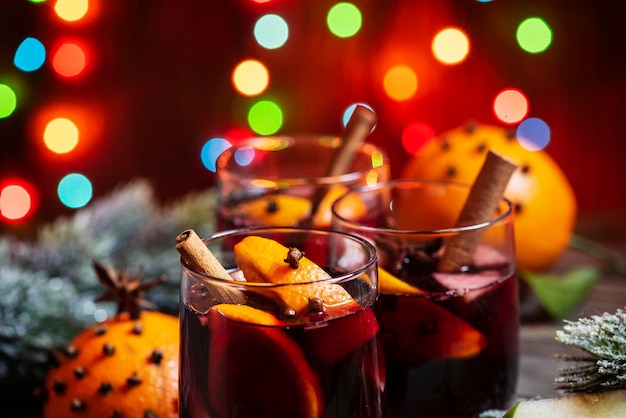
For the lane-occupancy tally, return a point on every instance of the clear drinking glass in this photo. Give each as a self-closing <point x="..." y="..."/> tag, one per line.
<point x="450" y="336"/>
<point x="267" y="355"/>
<point x="282" y="180"/>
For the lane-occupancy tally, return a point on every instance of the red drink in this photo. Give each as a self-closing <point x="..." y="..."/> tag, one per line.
<point x="450" y="338"/>
<point x="453" y="350"/>
<point x="320" y="363"/>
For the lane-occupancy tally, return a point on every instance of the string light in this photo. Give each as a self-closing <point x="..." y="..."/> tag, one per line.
<point x="69" y="60"/>
<point x="510" y="105"/>
<point x="265" y="117"/>
<point x="71" y="10"/>
<point x="8" y="101"/>
<point x="16" y="200"/>
<point x="450" y="46"/>
<point x="400" y="83"/>
<point x="75" y="190"/>
<point x="533" y="134"/>
<point x="271" y="31"/>
<point x="30" y="55"/>
<point x="534" y="35"/>
<point x="347" y="113"/>
<point x="60" y="135"/>
<point x="250" y="77"/>
<point x="344" y="20"/>
<point x="415" y="135"/>
<point x="211" y="150"/>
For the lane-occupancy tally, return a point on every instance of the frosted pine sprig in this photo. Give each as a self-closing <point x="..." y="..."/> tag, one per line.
<point x="603" y="338"/>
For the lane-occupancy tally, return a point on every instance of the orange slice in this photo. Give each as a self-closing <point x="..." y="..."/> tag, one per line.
<point x="262" y="260"/>
<point x="342" y="336"/>
<point x="352" y="208"/>
<point x="248" y="314"/>
<point x="259" y="371"/>
<point x="416" y="329"/>
<point x="390" y="284"/>
<point x="277" y="210"/>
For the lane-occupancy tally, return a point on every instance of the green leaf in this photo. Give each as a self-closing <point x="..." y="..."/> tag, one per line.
<point x="560" y="294"/>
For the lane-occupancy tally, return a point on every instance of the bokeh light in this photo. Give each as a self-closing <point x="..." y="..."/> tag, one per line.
<point x="71" y="10"/>
<point x="16" y="202"/>
<point x="347" y="114"/>
<point x="250" y="77"/>
<point x="510" y="105"/>
<point x="244" y="156"/>
<point x="415" y="135"/>
<point x="533" y="134"/>
<point x="60" y="135"/>
<point x="400" y="83"/>
<point x="534" y="35"/>
<point x="271" y="31"/>
<point x="211" y="150"/>
<point x="344" y="20"/>
<point x="75" y="190"/>
<point x="8" y="101"/>
<point x="69" y="60"/>
<point x="30" y="55"/>
<point x="451" y="46"/>
<point x="265" y="117"/>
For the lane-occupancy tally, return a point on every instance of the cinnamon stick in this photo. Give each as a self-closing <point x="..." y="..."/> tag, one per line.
<point x="357" y="130"/>
<point x="482" y="202"/>
<point x="200" y="259"/>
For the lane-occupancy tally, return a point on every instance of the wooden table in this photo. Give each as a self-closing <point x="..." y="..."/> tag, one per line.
<point x="538" y="366"/>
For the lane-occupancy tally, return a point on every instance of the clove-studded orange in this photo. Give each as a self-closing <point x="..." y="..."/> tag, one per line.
<point x="545" y="204"/>
<point x="126" y="366"/>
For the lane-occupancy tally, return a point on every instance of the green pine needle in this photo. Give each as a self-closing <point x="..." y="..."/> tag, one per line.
<point x="47" y="286"/>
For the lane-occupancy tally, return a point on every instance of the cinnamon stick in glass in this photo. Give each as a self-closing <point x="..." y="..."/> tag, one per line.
<point x="201" y="260"/>
<point x="480" y="206"/>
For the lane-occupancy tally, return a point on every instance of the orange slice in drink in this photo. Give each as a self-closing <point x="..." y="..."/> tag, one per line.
<point x="277" y="210"/>
<point x="245" y="313"/>
<point x="390" y="284"/>
<point x="263" y="260"/>
<point x="342" y="336"/>
<point x="257" y="370"/>
<point x="417" y="329"/>
<point x="352" y="208"/>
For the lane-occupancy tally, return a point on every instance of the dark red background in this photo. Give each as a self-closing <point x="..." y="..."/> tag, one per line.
<point x="160" y="84"/>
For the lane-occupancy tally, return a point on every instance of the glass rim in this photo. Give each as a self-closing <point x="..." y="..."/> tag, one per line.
<point x="300" y="139"/>
<point x="371" y="262"/>
<point x="508" y="212"/>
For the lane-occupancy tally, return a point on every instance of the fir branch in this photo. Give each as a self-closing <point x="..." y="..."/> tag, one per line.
<point x="603" y="338"/>
<point x="48" y="286"/>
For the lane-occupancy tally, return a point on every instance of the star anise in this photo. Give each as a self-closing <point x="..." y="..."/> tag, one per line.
<point x="125" y="288"/>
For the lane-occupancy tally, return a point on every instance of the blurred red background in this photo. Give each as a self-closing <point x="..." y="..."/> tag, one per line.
<point x="157" y="85"/>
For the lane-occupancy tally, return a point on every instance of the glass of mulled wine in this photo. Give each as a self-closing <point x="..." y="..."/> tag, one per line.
<point x="283" y="180"/>
<point x="450" y="335"/>
<point x="291" y="333"/>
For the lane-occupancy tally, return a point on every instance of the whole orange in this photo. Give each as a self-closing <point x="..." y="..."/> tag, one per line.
<point x="120" y="368"/>
<point x="544" y="201"/>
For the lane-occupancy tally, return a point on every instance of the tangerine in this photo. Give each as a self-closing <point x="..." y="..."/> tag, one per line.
<point x="122" y="367"/>
<point x="544" y="201"/>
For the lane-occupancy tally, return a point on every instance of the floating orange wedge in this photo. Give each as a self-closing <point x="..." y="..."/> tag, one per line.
<point x="352" y="208"/>
<point x="390" y="284"/>
<point x="258" y="371"/>
<point x="262" y="260"/>
<point x="418" y="329"/>
<point x="277" y="210"/>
